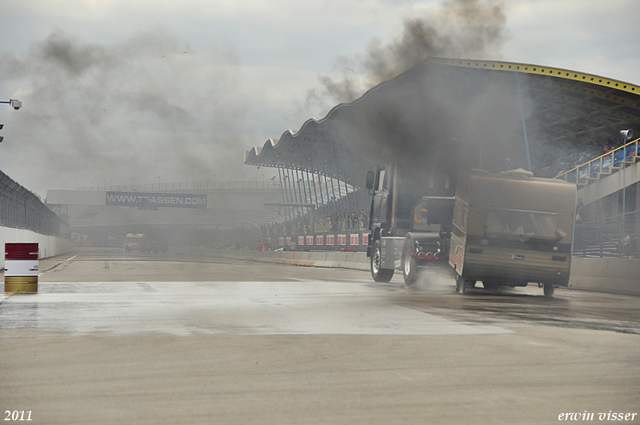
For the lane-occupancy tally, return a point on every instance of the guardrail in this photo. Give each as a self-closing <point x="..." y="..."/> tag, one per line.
<point x="607" y="162"/>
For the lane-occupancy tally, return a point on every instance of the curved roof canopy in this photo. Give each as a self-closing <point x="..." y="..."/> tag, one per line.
<point x="460" y="113"/>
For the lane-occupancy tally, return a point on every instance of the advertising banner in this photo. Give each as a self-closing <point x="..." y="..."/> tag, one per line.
<point x="320" y="240"/>
<point x="354" y="239"/>
<point x="155" y="200"/>
<point x="310" y="240"/>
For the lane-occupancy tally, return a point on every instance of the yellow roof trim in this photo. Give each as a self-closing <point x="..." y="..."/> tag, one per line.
<point x="540" y="70"/>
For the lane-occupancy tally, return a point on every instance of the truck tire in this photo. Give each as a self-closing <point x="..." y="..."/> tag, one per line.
<point x="409" y="266"/>
<point x="461" y="285"/>
<point x="490" y="285"/>
<point x="377" y="272"/>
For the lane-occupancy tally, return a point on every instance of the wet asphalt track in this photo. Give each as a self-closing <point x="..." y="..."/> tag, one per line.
<point x="111" y="336"/>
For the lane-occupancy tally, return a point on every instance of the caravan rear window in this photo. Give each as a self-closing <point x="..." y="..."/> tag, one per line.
<point x="515" y="224"/>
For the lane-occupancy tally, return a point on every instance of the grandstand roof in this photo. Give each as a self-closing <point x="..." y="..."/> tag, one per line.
<point x="456" y="106"/>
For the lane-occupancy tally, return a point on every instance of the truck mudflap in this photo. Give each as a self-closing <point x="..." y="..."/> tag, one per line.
<point x="392" y="252"/>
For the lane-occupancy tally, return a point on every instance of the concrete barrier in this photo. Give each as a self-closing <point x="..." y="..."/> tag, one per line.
<point x="49" y="246"/>
<point x="330" y="259"/>
<point x="612" y="275"/>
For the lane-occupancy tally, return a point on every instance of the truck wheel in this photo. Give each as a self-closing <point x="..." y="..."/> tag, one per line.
<point x="490" y="285"/>
<point x="377" y="272"/>
<point x="409" y="267"/>
<point x="548" y="290"/>
<point x="461" y="285"/>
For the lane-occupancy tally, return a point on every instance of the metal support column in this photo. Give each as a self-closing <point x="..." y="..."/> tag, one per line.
<point x="315" y="191"/>
<point x="324" y="212"/>
<point x="284" y="197"/>
<point x="335" y="158"/>
<point x="353" y="183"/>
<point x="333" y="189"/>
<point x="524" y="125"/>
<point x="292" y="194"/>
<point x="302" y="200"/>
<point x="326" y="187"/>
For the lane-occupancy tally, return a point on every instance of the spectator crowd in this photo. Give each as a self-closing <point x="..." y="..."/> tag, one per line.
<point x="552" y="160"/>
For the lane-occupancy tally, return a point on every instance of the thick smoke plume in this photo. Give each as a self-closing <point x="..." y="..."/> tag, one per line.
<point x="431" y="119"/>
<point x="470" y="29"/>
<point x="146" y="110"/>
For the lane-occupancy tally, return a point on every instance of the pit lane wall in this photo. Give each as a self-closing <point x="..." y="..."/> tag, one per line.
<point x="611" y="275"/>
<point x="49" y="246"/>
<point x="351" y="240"/>
<point x="338" y="259"/>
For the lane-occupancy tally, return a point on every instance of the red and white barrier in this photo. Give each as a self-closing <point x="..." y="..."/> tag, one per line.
<point x="21" y="267"/>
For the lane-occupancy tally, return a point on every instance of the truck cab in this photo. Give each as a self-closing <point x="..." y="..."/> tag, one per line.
<point x="133" y="242"/>
<point x="409" y="221"/>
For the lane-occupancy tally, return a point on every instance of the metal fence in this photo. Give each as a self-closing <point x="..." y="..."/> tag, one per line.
<point x="616" y="236"/>
<point x="602" y="164"/>
<point x="21" y="209"/>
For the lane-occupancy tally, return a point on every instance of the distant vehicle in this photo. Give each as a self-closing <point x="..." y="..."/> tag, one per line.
<point x="154" y="242"/>
<point x="133" y="242"/>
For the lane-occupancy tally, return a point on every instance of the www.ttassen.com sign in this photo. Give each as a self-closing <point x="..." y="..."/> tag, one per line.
<point x="138" y="199"/>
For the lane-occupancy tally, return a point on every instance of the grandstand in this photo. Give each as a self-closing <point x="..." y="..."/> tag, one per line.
<point x="611" y="228"/>
<point x="447" y="115"/>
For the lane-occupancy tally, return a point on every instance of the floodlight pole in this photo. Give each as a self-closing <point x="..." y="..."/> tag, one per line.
<point x="524" y="124"/>
<point x="15" y="103"/>
<point x="624" y="190"/>
<point x="626" y="136"/>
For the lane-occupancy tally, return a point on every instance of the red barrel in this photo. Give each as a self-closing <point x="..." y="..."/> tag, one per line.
<point x="21" y="267"/>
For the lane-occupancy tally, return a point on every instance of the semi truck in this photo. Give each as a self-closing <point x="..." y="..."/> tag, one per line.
<point x="409" y="222"/>
<point x="501" y="229"/>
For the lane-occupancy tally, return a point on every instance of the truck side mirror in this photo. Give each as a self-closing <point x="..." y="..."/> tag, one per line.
<point x="371" y="178"/>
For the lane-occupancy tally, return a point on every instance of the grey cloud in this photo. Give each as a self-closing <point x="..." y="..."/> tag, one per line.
<point x="146" y="107"/>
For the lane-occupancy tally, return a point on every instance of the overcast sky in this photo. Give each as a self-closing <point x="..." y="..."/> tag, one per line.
<point x="147" y="91"/>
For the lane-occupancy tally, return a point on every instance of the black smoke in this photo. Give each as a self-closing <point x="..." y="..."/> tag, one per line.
<point x="430" y="117"/>
<point x="470" y="29"/>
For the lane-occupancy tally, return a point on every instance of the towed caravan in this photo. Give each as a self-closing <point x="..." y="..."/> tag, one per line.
<point x="511" y="229"/>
